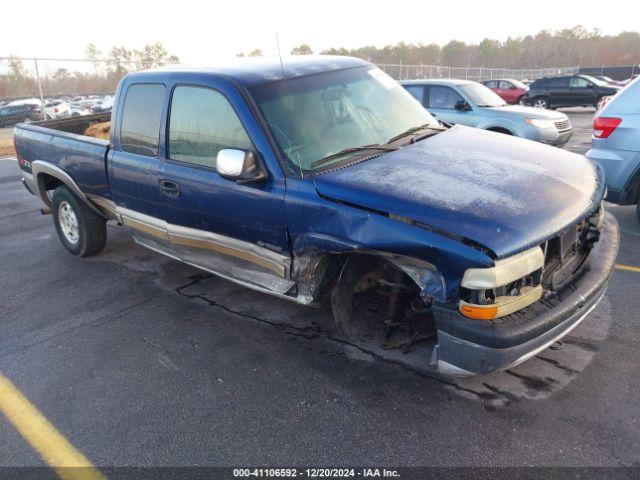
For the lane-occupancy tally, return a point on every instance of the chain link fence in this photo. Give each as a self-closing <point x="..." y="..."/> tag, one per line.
<point x="415" y="72"/>
<point x="39" y="89"/>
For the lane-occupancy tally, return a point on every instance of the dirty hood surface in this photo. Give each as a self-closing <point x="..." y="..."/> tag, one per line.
<point x="502" y="192"/>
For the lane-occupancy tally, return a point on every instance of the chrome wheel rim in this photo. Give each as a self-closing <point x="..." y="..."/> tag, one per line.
<point x="540" y="104"/>
<point x="68" y="222"/>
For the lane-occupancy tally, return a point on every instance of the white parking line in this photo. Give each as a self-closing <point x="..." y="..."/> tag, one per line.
<point x="13" y="159"/>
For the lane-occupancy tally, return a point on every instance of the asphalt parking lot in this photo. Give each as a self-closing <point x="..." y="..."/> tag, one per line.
<point x="139" y="360"/>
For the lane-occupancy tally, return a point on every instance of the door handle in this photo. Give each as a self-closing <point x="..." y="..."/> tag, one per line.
<point x="169" y="188"/>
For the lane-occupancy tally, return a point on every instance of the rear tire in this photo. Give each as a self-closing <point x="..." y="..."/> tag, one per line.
<point x="82" y="231"/>
<point x="541" y="102"/>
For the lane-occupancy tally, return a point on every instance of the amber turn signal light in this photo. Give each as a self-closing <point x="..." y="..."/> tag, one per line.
<point x="479" y="313"/>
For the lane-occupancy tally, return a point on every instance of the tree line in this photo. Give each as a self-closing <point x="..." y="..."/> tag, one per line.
<point x="575" y="46"/>
<point x="569" y="47"/>
<point x="99" y="74"/>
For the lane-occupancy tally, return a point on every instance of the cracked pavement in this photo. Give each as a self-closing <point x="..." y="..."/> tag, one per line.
<point x="140" y="360"/>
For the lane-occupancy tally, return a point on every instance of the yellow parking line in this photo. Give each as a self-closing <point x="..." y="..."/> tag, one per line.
<point x="56" y="450"/>
<point x="619" y="266"/>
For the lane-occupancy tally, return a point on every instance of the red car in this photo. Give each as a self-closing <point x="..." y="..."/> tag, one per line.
<point x="510" y="90"/>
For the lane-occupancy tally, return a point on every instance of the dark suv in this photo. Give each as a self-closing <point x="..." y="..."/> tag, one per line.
<point x="569" y="91"/>
<point x="12" y="114"/>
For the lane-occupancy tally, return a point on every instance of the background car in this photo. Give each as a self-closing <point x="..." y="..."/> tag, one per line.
<point x="56" y="109"/>
<point x="630" y="79"/>
<point x="104" y="105"/>
<point x="510" y="90"/>
<point x="470" y="103"/>
<point x="12" y="114"/>
<point x="568" y="91"/>
<point x="609" y="80"/>
<point x="616" y="146"/>
<point x="76" y="109"/>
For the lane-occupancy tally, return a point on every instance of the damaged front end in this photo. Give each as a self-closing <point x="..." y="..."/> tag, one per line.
<point x="483" y="332"/>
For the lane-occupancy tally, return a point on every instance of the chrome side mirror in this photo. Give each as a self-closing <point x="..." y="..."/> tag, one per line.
<point x="239" y="165"/>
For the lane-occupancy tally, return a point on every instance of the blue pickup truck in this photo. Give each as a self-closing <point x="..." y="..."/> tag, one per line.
<point x="323" y="181"/>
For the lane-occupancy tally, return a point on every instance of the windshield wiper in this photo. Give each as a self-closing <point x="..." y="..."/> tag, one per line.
<point x="348" y="150"/>
<point x="410" y="131"/>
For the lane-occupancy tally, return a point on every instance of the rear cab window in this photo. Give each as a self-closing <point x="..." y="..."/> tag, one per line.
<point x="141" y="117"/>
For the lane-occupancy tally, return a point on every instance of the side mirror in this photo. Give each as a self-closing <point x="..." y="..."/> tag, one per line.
<point x="512" y="87"/>
<point x="239" y="165"/>
<point x="462" y="105"/>
<point x="589" y="85"/>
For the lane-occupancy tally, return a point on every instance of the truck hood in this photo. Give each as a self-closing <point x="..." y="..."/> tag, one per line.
<point x="520" y="111"/>
<point x="504" y="193"/>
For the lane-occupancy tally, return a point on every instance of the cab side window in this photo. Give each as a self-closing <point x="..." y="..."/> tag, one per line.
<point x="558" y="82"/>
<point x="201" y="123"/>
<point x="576" y="82"/>
<point x="416" y="91"/>
<point x="140" y="128"/>
<point x="505" y="85"/>
<point x="443" y="97"/>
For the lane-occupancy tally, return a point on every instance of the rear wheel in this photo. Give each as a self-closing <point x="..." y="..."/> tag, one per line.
<point x="541" y="102"/>
<point x="82" y="231"/>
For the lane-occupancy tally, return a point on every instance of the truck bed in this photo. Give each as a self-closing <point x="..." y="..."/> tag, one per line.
<point x="64" y="144"/>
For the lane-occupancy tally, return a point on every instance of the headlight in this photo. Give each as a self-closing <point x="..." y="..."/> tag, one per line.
<point x="541" y="123"/>
<point x="510" y="285"/>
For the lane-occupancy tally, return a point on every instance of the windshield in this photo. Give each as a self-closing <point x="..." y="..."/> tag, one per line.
<point x="482" y="96"/>
<point x="316" y="116"/>
<point x="518" y="84"/>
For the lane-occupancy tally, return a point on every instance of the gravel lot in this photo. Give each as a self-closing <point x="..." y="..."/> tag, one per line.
<point x="139" y="360"/>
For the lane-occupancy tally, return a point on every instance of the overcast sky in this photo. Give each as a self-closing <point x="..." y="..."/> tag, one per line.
<point x="203" y="31"/>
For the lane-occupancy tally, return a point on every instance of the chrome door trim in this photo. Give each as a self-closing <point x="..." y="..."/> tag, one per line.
<point x="267" y="259"/>
<point x="302" y="300"/>
<point x="141" y="222"/>
<point x="178" y="235"/>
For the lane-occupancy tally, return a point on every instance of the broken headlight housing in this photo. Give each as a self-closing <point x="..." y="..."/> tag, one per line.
<point x="510" y="285"/>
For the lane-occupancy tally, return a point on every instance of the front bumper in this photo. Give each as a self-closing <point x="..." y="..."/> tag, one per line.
<point x="562" y="137"/>
<point x="467" y="346"/>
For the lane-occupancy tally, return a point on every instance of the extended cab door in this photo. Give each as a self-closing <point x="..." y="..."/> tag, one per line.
<point x="134" y="163"/>
<point x="231" y="228"/>
<point x="442" y="101"/>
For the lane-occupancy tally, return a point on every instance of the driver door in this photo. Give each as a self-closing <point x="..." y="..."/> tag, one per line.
<point x="225" y="226"/>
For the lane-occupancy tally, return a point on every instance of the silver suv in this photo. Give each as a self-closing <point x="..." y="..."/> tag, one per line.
<point x="616" y="145"/>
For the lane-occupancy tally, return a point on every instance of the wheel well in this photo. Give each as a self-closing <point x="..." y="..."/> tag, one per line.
<point x="374" y="295"/>
<point x="634" y="190"/>
<point x="47" y="182"/>
<point x="500" y="130"/>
